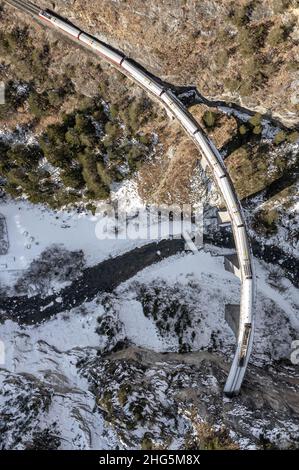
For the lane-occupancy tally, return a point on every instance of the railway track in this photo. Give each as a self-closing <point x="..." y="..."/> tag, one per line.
<point x="27" y="7"/>
<point x="210" y="158"/>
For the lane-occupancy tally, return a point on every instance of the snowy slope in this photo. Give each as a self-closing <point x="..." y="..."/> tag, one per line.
<point x="44" y="359"/>
<point x="42" y="362"/>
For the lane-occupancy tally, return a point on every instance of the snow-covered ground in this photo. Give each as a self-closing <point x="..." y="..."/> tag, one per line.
<point x="76" y="328"/>
<point x="201" y="281"/>
<point x="286" y="236"/>
<point x="205" y="285"/>
<point x="33" y="228"/>
<point x="191" y="291"/>
<point x="48" y="353"/>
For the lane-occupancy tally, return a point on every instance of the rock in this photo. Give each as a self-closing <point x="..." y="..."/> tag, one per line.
<point x="205" y="44"/>
<point x="140" y="392"/>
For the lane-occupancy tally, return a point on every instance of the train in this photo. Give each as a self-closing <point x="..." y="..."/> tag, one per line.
<point x="244" y="343"/>
<point x="217" y="167"/>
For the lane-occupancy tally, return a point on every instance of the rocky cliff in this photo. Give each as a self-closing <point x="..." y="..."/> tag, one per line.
<point x="244" y="51"/>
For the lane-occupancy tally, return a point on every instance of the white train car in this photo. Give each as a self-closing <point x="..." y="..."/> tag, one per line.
<point x="242" y="242"/>
<point x="247" y="300"/>
<point x="176" y="108"/>
<point x="143" y="78"/>
<point x="105" y="51"/>
<point x="244" y="344"/>
<point x="215" y="164"/>
<point x="69" y="29"/>
<point x="228" y="195"/>
<point x="238" y="219"/>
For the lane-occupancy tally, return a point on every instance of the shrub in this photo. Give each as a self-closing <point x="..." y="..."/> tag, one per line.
<point x="38" y="61"/>
<point x="92" y="208"/>
<point x="246" y="42"/>
<point x="55" y="98"/>
<point x="96" y="187"/>
<point x="134" y="157"/>
<point x="83" y="124"/>
<point x="14" y="40"/>
<point x="13" y="189"/>
<point x="257" y="130"/>
<point x="221" y="58"/>
<point x="276" y="36"/>
<point x="145" y="139"/>
<point x="293" y="65"/>
<point x="279" y="6"/>
<point x="72" y="137"/>
<point x="68" y="198"/>
<point x="44" y="440"/>
<point x="112" y="133"/>
<point x="279" y="137"/>
<point x="4" y="162"/>
<point x="252" y="67"/>
<point x="209" y="118"/>
<point x="88" y="140"/>
<point x="73" y="178"/>
<point x="241" y="14"/>
<point x="255" y="120"/>
<point x="208" y="438"/>
<point x="253" y="77"/>
<point x="103" y="87"/>
<point x="232" y="84"/>
<point x="103" y="174"/>
<point x="146" y="442"/>
<point x="293" y="137"/>
<point x="38" y="104"/>
<point x="17" y="177"/>
<point x="123" y="393"/>
<point x="114" y="155"/>
<point x="24" y="156"/>
<point x="55" y="134"/>
<point x="266" y="221"/>
<point x="99" y="115"/>
<point x="134" y="115"/>
<point x="114" y="110"/>
<point x="243" y="129"/>
<point x="245" y="87"/>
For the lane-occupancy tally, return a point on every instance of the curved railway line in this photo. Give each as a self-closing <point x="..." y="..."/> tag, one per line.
<point x="209" y="157"/>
